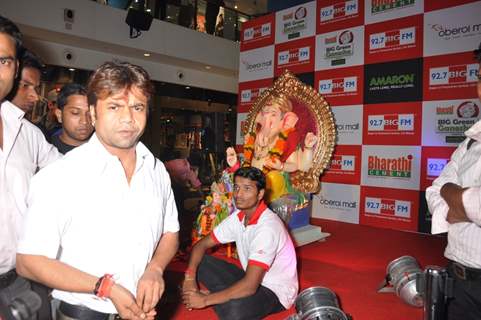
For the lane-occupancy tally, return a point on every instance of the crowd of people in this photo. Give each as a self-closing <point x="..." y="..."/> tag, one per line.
<point x="89" y="221"/>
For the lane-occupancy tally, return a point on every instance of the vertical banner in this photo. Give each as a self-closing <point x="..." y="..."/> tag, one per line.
<point x="402" y="83"/>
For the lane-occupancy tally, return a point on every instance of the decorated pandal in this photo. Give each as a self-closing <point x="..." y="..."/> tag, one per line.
<point x="289" y="135"/>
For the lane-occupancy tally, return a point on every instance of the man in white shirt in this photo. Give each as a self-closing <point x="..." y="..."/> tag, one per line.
<point x="455" y="202"/>
<point x="267" y="282"/>
<point x="23" y="150"/>
<point x="112" y="228"/>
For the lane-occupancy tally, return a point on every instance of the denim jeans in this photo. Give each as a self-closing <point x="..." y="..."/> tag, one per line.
<point x="218" y="275"/>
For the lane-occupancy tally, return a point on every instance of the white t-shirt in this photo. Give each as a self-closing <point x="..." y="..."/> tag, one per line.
<point x="83" y="212"/>
<point x="24" y="151"/>
<point x="264" y="242"/>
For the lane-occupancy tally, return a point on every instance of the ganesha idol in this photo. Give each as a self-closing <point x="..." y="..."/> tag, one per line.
<point x="290" y="136"/>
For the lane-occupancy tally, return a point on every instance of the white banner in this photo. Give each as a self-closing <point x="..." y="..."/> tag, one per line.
<point x="256" y="64"/>
<point x="296" y="22"/>
<point x="348" y="121"/>
<point x="338" y="202"/>
<point x="444" y="122"/>
<point x="341" y="48"/>
<point x="391" y="167"/>
<point x="452" y="30"/>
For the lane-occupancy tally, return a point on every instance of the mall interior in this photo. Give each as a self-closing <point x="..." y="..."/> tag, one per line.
<point x="384" y="97"/>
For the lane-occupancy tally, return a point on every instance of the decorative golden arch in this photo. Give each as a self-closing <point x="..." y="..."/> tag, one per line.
<point x="314" y="115"/>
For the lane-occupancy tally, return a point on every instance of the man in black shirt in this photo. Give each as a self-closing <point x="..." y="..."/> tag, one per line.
<point x="73" y="113"/>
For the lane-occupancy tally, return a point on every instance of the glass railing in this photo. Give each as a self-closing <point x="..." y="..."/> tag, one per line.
<point x="203" y="16"/>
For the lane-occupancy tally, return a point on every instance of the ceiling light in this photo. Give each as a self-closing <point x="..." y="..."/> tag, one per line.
<point x="71" y="69"/>
<point x="148" y="10"/>
<point x="187" y="87"/>
<point x="235" y="7"/>
<point x="146" y="54"/>
<point x="208" y="67"/>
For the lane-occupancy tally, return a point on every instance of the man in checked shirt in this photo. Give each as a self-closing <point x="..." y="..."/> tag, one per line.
<point x="455" y="202"/>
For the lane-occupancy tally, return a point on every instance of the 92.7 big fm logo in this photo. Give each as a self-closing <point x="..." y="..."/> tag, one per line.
<point x="442" y="77"/>
<point x="450" y="76"/>
<point x="392" y="124"/>
<point x="388" y="207"/>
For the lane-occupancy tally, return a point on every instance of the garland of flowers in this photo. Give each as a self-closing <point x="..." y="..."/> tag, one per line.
<point x="275" y="153"/>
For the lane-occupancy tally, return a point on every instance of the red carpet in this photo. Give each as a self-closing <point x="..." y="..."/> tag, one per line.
<point x="351" y="262"/>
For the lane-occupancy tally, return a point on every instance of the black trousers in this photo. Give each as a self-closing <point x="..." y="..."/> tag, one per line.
<point x="218" y="275"/>
<point x="466" y="304"/>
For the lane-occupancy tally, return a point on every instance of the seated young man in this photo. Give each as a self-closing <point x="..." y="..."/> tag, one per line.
<point x="267" y="282"/>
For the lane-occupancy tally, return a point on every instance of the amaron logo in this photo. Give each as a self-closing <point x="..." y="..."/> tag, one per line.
<point x="293" y="55"/>
<point x="339" y="11"/>
<point x="257" y="66"/>
<point x="380" y="6"/>
<point x="392" y="38"/>
<point x="390" y="167"/>
<point x="388" y="207"/>
<point x="347" y="127"/>
<point x="435" y="166"/>
<point x="461" y="73"/>
<point x="257" y="32"/>
<point x="342" y="163"/>
<point x="338" y="204"/>
<point x="338" y="85"/>
<point x="446" y="32"/>
<point x="391" y="122"/>
<point x="392" y="80"/>
<point x="249" y="95"/>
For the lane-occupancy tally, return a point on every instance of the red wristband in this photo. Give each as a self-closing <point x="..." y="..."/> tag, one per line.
<point x="104" y="285"/>
<point x="190" y="272"/>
